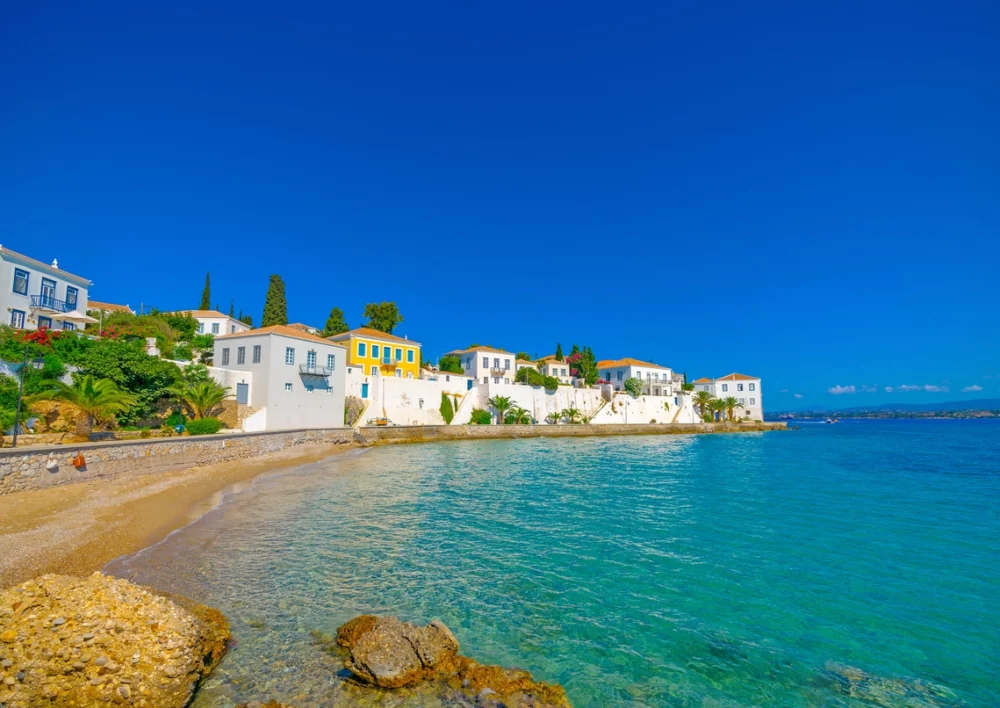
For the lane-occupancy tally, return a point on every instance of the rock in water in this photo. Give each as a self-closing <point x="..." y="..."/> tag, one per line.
<point x="117" y="644"/>
<point x="388" y="653"/>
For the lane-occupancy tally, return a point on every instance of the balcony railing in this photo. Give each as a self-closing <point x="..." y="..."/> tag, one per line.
<point x="497" y="371"/>
<point x="314" y="370"/>
<point x="47" y="302"/>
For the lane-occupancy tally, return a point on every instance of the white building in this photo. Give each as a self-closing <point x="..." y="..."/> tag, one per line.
<point x="487" y="364"/>
<point x="297" y="380"/>
<point x="656" y="380"/>
<point x="745" y="389"/>
<point x="35" y="295"/>
<point x="214" y="322"/>
<point x="524" y="364"/>
<point x="559" y="369"/>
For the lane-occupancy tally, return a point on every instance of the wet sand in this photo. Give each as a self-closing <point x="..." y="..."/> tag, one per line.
<point x="76" y="529"/>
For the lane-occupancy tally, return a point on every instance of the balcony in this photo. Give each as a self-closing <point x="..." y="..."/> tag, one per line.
<point x="497" y="371"/>
<point x="390" y="363"/>
<point x="314" y="370"/>
<point x="50" y="304"/>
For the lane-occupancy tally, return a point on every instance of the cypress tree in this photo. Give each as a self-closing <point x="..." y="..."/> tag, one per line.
<point x="559" y="356"/>
<point x="275" y="307"/>
<point x="335" y="323"/>
<point x="232" y="308"/>
<point x="206" y="294"/>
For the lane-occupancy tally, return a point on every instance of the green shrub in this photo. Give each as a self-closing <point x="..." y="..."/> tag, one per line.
<point x="447" y="412"/>
<point x="182" y="352"/>
<point x="534" y="378"/>
<point x="174" y="419"/>
<point x="480" y="417"/>
<point x="451" y="364"/>
<point x="204" y="426"/>
<point x="633" y="386"/>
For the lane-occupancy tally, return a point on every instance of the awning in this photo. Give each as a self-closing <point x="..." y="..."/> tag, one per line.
<point x="76" y="316"/>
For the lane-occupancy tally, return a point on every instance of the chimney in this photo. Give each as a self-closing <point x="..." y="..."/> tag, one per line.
<point x="55" y="263"/>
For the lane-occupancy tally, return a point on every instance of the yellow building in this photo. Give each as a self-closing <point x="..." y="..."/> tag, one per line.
<point x="380" y="354"/>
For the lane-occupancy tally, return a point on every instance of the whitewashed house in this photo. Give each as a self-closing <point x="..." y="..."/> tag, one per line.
<point x="35" y="295"/>
<point x="524" y="364"/>
<point x="656" y="380"/>
<point x="745" y="389"/>
<point x="487" y="364"/>
<point x="559" y="369"/>
<point x="214" y="322"/>
<point x="298" y="380"/>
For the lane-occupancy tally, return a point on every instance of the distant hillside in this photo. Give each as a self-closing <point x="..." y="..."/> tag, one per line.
<point x="976" y="404"/>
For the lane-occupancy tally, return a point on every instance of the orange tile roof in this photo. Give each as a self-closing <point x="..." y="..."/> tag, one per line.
<point x="203" y="313"/>
<point x="524" y="361"/>
<point x="303" y="327"/>
<point x="107" y="306"/>
<point x="479" y="349"/>
<point x="704" y="380"/>
<point x="737" y="377"/>
<point x="627" y="361"/>
<point x="282" y="330"/>
<point x="371" y="334"/>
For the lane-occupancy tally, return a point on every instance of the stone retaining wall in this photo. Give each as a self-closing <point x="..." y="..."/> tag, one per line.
<point x="27" y="468"/>
<point x="24" y="469"/>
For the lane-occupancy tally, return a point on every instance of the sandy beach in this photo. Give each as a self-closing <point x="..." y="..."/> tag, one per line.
<point x="77" y="528"/>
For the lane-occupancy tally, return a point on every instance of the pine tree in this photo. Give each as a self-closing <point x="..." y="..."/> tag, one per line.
<point x="232" y="308"/>
<point x="275" y="307"/>
<point x="335" y="323"/>
<point x="559" y="356"/>
<point x="206" y="294"/>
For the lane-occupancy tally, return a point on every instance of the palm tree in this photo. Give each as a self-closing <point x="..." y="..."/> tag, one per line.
<point x="554" y="416"/>
<point x="717" y="407"/>
<point x="519" y="416"/>
<point x="201" y="398"/>
<point x="501" y="404"/>
<point x="703" y="400"/>
<point x="731" y="404"/>
<point x="98" y="400"/>
<point x="572" y="415"/>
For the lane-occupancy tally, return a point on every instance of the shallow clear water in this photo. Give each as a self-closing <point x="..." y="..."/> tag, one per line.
<point x="714" y="570"/>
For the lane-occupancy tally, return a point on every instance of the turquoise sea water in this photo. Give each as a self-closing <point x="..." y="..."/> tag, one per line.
<point x="716" y="570"/>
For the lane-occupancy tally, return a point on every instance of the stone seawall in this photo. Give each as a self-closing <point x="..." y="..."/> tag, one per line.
<point x="24" y="469"/>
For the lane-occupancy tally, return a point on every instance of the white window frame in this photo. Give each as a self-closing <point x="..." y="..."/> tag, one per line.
<point x="215" y="328"/>
<point x="331" y="361"/>
<point x="256" y="354"/>
<point x="225" y="356"/>
<point x="290" y="356"/>
<point x="27" y="281"/>
<point x="288" y="387"/>
<point x="241" y="355"/>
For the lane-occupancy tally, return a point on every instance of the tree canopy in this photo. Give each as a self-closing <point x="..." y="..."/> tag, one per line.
<point x="335" y="323"/>
<point x="206" y="293"/>
<point x="559" y="353"/>
<point x="275" y="306"/>
<point x="451" y="364"/>
<point x="383" y="316"/>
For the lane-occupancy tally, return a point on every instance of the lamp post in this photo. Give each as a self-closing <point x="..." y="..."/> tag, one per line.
<point x="36" y="363"/>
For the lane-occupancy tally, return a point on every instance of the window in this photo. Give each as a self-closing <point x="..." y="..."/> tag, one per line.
<point x="753" y="402"/>
<point x="215" y="328"/>
<point x="232" y="329"/>
<point x="486" y="379"/>
<point x="331" y="359"/>
<point x="506" y="381"/>
<point x="619" y="374"/>
<point x="374" y="351"/>
<point x="399" y="355"/>
<point x="399" y="373"/>
<point x="329" y="389"/>
<point x="506" y="364"/>
<point x="374" y="371"/>
<point x="725" y="387"/>
<point x="409" y="356"/>
<point x="225" y="356"/>
<point x="21" y="281"/>
<point x="288" y="387"/>
<point x="743" y="401"/>
<point x="496" y="379"/>
<point x="309" y="388"/>
<point x="753" y="387"/>
<point x="17" y="319"/>
<point x="256" y="353"/>
<point x="496" y="362"/>
<point x="201" y="328"/>
<point x="468" y="362"/>
<point x="45" y="322"/>
<point x="739" y="387"/>
<point x="311" y="359"/>
<point x="48" y="294"/>
<point x="361" y="349"/>
<point x="241" y="355"/>
<point x="486" y="362"/>
<point x="69" y="326"/>
<point x="71" y="298"/>
<point x="289" y="355"/>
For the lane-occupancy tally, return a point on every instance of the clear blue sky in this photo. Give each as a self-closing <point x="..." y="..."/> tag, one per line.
<point x="808" y="192"/>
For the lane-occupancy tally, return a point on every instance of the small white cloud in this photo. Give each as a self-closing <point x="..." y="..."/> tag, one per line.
<point x="784" y="390"/>
<point x="837" y="390"/>
<point x="869" y="389"/>
<point x="798" y="395"/>
<point x="936" y="389"/>
<point x="908" y="387"/>
<point x="972" y="389"/>
<point x="888" y="389"/>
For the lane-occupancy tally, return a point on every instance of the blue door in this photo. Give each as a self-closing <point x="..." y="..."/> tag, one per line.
<point x="469" y="385"/>
<point x="364" y="390"/>
<point x="242" y="393"/>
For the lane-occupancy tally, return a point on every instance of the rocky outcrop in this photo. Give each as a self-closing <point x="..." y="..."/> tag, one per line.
<point x="887" y="692"/>
<point x="388" y="653"/>
<point x="103" y="641"/>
